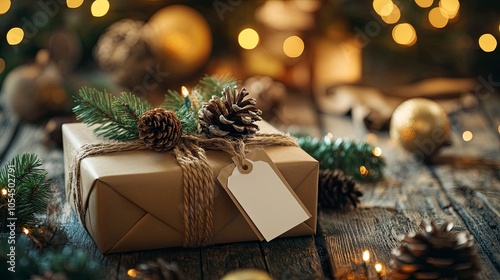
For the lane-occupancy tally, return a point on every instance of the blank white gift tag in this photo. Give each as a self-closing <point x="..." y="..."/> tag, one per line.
<point x="266" y="198"/>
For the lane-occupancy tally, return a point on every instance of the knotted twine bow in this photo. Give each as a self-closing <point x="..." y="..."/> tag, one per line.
<point x="197" y="176"/>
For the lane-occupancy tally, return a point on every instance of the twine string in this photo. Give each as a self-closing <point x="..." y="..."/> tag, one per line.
<point x="197" y="176"/>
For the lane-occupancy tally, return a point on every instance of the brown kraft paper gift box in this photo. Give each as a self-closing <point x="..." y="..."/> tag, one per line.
<point x="135" y="198"/>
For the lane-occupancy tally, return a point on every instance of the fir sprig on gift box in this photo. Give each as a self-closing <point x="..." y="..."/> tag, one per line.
<point x="355" y="159"/>
<point x="116" y="118"/>
<point x="23" y="181"/>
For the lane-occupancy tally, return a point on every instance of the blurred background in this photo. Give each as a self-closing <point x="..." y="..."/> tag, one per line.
<point x="359" y="58"/>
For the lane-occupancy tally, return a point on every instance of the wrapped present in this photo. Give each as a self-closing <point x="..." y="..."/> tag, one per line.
<point x="136" y="199"/>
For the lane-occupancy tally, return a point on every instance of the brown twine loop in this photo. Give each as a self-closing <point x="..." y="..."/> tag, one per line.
<point x="197" y="176"/>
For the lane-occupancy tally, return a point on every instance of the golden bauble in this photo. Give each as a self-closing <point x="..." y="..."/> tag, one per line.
<point x="181" y="39"/>
<point x="421" y="126"/>
<point x="247" y="274"/>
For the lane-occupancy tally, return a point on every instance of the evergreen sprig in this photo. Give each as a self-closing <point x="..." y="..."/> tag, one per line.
<point x="346" y="155"/>
<point x="115" y="117"/>
<point x="188" y="115"/>
<point x="213" y="85"/>
<point x="65" y="263"/>
<point x="32" y="190"/>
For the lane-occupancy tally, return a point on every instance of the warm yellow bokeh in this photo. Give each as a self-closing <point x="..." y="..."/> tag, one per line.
<point x="99" y="8"/>
<point x="450" y="7"/>
<point x="487" y="42"/>
<point x="376" y="151"/>
<point x="73" y="4"/>
<point x="424" y="3"/>
<point x="15" y="36"/>
<point x="467" y="136"/>
<point x="248" y="39"/>
<point x="293" y="46"/>
<point x="438" y="17"/>
<point x="404" y="34"/>
<point x="4" y="6"/>
<point x="383" y="7"/>
<point x="393" y="17"/>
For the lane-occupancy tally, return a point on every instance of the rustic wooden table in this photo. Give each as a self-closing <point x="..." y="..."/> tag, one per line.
<point x="468" y="196"/>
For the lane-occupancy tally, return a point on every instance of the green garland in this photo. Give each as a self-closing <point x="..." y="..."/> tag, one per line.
<point x="66" y="263"/>
<point x="116" y="117"/>
<point x="23" y="184"/>
<point x="346" y="155"/>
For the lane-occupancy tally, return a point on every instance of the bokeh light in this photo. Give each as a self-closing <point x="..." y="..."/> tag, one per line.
<point x="467" y="136"/>
<point x="450" y="7"/>
<point x="364" y="171"/>
<point x="73" y="4"/>
<point x="15" y="36"/>
<point x="393" y="17"/>
<point x="248" y="38"/>
<point x="4" y="6"/>
<point x="376" y="151"/>
<point x="293" y="46"/>
<point x="487" y="42"/>
<point x="99" y="8"/>
<point x="424" y="3"/>
<point x="404" y="34"/>
<point x="438" y="17"/>
<point x="383" y="7"/>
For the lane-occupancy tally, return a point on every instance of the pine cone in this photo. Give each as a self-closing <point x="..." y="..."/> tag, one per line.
<point x="159" y="129"/>
<point x="230" y="115"/>
<point x="159" y="270"/>
<point x="49" y="236"/>
<point x="436" y="254"/>
<point x="336" y="190"/>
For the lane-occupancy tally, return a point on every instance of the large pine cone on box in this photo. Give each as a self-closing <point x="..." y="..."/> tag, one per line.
<point x="230" y="115"/>
<point x="336" y="190"/>
<point x="438" y="253"/>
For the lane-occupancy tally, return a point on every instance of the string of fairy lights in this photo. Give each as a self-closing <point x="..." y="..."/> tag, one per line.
<point x="440" y="14"/>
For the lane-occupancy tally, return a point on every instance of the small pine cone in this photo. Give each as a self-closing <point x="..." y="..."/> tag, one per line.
<point x="159" y="129"/>
<point x="49" y="236"/>
<point x="159" y="270"/>
<point x="438" y="253"/>
<point x="230" y="115"/>
<point x="337" y="191"/>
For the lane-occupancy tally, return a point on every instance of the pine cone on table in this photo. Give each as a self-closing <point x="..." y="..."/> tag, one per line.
<point x="159" y="129"/>
<point x="159" y="270"/>
<point x="438" y="253"/>
<point x="336" y="190"/>
<point x="230" y="115"/>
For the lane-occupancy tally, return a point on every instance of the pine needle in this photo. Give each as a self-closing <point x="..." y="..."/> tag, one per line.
<point x="32" y="190"/>
<point x="346" y="155"/>
<point x="213" y="85"/>
<point x="115" y="118"/>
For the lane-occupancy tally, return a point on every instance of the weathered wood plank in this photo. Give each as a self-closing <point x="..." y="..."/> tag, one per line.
<point x="474" y="192"/>
<point x="293" y="258"/>
<point x="219" y="260"/>
<point x="188" y="260"/>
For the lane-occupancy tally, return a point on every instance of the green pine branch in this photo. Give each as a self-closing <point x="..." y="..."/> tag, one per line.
<point x="213" y="85"/>
<point x="115" y="118"/>
<point x="32" y="190"/>
<point x="187" y="114"/>
<point x="66" y="263"/>
<point x="346" y="155"/>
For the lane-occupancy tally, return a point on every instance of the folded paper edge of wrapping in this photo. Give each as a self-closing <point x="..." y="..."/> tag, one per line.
<point x="72" y="140"/>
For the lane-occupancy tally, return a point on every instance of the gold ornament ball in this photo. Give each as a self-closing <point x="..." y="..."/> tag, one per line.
<point x="181" y="38"/>
<point x="247" y="274"/>
<point x="421" y="126"/>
